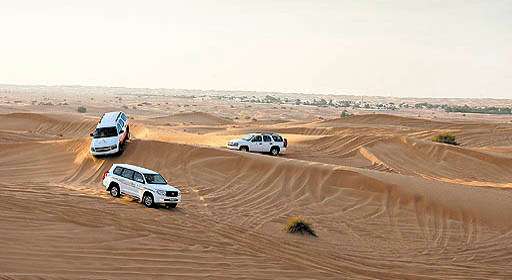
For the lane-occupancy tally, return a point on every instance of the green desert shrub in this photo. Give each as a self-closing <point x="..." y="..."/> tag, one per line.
<point x="299" y="225"/>
<point x="446" y="138"/>
<point x="345" y="114"/>
<point x="81" y="109"/>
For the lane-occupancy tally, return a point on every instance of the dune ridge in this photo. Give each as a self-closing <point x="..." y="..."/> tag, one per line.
<point x="195" y="118"/>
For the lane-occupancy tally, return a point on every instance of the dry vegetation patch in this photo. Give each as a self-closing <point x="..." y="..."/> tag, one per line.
<point x="82" y="109"/>
<point x="446" y="138"/>
<point x="299" y="225"/>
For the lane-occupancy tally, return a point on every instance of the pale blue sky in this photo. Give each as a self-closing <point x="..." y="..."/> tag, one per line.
<point x="391" y="48"/>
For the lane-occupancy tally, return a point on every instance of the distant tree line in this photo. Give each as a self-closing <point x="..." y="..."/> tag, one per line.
<point x="321" y="102"/>
<point x="425" y="105"/>
<point x="465" y="108"/>
<point x="481" y="110"/>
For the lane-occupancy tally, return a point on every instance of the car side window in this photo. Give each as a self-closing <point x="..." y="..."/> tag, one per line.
<point x="121" y="122"/>
<point x="256" y="138"/>
<point x="118" y="170"/>
<point x="267" y="138"/>
<point x="123" y="117"/>
<point x="137" y="177"/>
<point x="128" y="174"/>
<point x="119" y="127"/>
<point x="277" y="138"/>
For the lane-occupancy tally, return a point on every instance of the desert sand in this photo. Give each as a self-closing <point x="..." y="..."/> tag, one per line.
<point x="385" y="201"/>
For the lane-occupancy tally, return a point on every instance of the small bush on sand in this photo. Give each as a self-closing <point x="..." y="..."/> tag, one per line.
<point x="446" y="138"/>
<point x="81" y="109"/>
<point x="299" y="225"/>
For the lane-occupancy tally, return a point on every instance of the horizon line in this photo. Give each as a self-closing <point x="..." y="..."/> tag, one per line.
<point x="246" y="91"/>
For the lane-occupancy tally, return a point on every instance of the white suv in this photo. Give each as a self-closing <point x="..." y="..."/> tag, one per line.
<point x="111" y="134"/>
<point x="265" y="142"/>
<point x="146" y="185"/>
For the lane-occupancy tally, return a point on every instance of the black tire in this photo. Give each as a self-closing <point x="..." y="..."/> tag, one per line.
<point x="114" y="191"/>
<point x="148" y="200"/>
<point x="121" y="148"/>
<point x="274" y="151"/>
<point x="244" y="149"/>
<point x="172" y="205"/>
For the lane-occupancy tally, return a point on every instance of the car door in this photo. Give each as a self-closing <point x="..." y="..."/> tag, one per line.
<point x="121" y="130"/>
<point x="124" y="129"/>
<point x="256" y="144"/>
<point x="117" y="177"/>
<point x="267" y="143"/>
<point x="127" y="183"/>
<point x="278" y="141"/>
<point x="124" y="119"/>
<point x="138" y="184"/>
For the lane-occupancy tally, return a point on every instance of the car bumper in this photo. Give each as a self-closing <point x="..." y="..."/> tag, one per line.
<point x="167" y="200"/>
<point x="105" y="182"/>
<point x="232" y="147"/>
<point x="109" y="152"/>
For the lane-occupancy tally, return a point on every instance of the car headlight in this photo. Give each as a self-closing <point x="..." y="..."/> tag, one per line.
<point x="160" y="192"/>
<point x="113" y="147"/>
<point x="92" y="149"/>
<point x="234" y="144"/>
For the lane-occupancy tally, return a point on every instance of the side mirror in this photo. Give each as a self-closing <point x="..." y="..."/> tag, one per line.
<point x="121" y="132"/>
<point x="90" y="134"/>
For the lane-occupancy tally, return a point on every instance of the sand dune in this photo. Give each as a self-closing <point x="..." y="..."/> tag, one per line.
<point x="386" y="204"/>
<point x="411" y="156"/>
<point x="37" y="126"/>
<point x="384" y="120"/>
<point x="194" y="118"/>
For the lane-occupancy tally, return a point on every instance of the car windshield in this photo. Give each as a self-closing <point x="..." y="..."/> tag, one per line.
<point x="248" y="137"/>
<point x="155" y="179"/>
<point x="105" y="132"/>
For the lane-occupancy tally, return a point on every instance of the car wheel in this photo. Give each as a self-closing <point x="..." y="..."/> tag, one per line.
<point x="274" y="151"/>
<point x="114" y="191"/>
<point x="172" y="205"/>
<point x="244" y="149"/>
<point x="147" y="200"/>
<point x="121" y="148"/>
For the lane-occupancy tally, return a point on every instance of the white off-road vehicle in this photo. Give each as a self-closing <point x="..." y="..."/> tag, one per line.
<point x="265" y="142"/>
<point x="110" y="134"/>
<point x="145" y="185"/>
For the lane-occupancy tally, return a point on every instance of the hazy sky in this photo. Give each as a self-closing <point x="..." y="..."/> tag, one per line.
<point x="391" y="48"/>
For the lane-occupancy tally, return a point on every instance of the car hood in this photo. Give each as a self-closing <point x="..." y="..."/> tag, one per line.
<point x="162" y="187"/>
<point x="104" y="142"/>
<point x="237" y="140"/>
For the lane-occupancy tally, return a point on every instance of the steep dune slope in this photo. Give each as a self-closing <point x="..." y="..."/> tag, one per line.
<point x="17" y="127"/>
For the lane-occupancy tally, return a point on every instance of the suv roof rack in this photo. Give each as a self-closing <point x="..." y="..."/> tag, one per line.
<point x="109" y="118"/>
<point x="264" y="132"/>
<point x="118" y="115"/>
